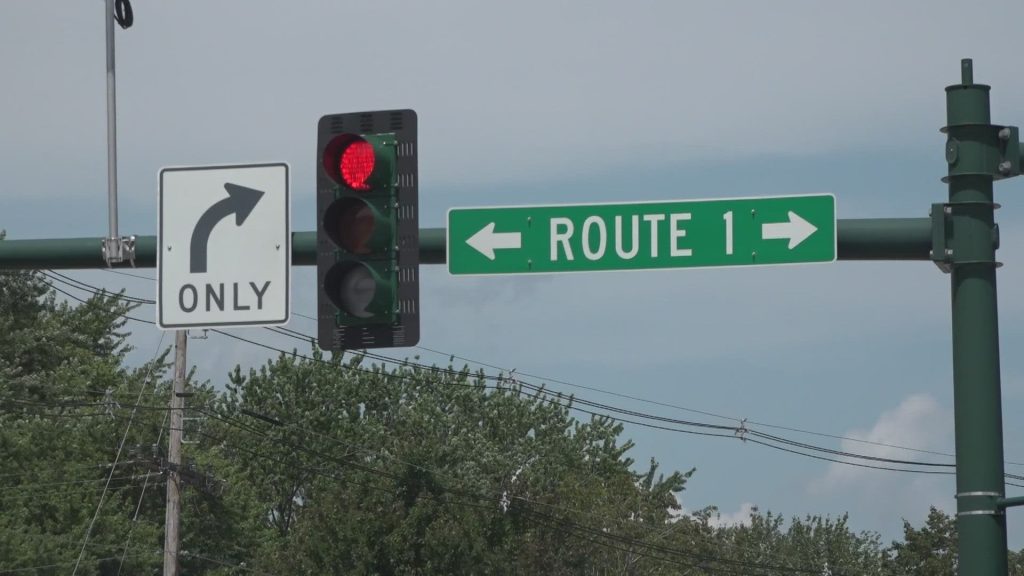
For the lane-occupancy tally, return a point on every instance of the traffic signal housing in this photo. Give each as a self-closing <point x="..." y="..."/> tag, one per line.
<point x="367" y="230"/>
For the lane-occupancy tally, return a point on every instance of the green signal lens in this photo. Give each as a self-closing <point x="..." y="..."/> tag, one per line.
<point x="361" y="291"/>
<point x="356" y="290"/>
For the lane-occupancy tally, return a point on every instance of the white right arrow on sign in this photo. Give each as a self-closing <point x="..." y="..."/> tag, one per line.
<point x="796" y="230"/>
<point x="486" y="241"/>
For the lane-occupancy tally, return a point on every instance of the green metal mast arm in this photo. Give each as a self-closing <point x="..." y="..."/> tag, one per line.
<point x="860" y="239"/>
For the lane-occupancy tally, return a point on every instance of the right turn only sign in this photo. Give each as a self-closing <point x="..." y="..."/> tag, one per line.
<point x="224" y="246"/>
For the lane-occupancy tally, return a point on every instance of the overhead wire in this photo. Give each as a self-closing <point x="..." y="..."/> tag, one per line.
<point x="89" y="287"/>
<point x="478" y="499"/>
<point x="59" y="564"/>
<point x="122" y="482"/>
<point x="68" y="467"/>
<point x="189" y="554"/>
<point x="120" y="447"/>
<point x="741" y="432"/>
<point x="733" y="430"/>
<point x="80" y="404"/>
<point x="138" y="506"/>
<point x="736" y="432"/>
<point x="649" y="401"/>
<point x="694" y="410"/>
<point x="303" y="447"/>
<point x="326" y="472"/>
<point x="593" y="532"/>
<point x="123" y="273"/>
<point x="280" y="351"/>
<point x="137" y="553"/>
<point x="32" y="485"/>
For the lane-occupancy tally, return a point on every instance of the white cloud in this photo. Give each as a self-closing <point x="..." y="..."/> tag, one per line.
<point x="885" y="497"/>
<point x="918" y="422"/>
<point x="740" y="517"/>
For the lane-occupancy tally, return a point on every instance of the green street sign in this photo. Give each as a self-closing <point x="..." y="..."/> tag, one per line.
<point x="642" y="235"/>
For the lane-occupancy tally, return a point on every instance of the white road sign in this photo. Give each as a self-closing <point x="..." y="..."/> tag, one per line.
<point x="224" y="240"/>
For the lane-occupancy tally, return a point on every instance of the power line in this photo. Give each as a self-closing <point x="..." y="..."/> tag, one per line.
<point x="808" y="446"/>
<point x="120" y="446"/>
<point x="122" y="273"/>
<point x="725" y="431"/>
<point x="493" y="500"/>
<point x="694" y="410"/>
<point x="303" y="448"/>
<point x="81" y="404"/>
<point x="128" y="481"/>
<point x="138" y="506"/>
<point x="32" y="485"/>
<point x="59" y="564"/>
<point x="188" y="554"/>
<point x="69" y="467"/>
<point x="736" y="432"/>
<point x="364" y="449"/>
<point x="634" y="398"/>
<point x="85" y="286"/>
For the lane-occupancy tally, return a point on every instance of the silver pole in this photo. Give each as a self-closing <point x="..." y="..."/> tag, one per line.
<point x="114" y="249"/>
<point x="111" y="129"/>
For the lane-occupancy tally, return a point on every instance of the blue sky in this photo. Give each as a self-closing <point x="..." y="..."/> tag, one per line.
<point x="552" y="102"/>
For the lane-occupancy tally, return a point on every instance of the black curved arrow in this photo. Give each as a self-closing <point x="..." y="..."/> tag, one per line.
<point x="240" y="202"/>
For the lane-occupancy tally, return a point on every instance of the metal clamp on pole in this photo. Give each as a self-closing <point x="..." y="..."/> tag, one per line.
<point x="941" y="254"/>
<point x="980" y="503"/>
<point x="118" y="250"/>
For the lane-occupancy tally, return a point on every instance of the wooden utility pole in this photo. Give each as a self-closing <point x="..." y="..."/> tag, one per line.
<point x="172" y="537"/>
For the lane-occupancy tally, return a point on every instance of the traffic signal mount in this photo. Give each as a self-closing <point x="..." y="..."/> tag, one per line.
<point x="367" y="230"/>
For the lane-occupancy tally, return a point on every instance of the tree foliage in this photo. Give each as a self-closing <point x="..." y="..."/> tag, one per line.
<point x="335" y="465"/>
<point x="62" y="376"/>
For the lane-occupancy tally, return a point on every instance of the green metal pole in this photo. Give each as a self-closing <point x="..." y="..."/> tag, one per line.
<point x="972" y="144"/>
<point x="1009" y="502"/>
<point x="860" y="239"/>
<point x="884" y="238"/>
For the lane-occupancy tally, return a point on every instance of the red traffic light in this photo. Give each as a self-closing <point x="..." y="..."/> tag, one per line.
<point x="356" y="164"/>
<point x="350" y="160"/>
<point x="367" y="230"/>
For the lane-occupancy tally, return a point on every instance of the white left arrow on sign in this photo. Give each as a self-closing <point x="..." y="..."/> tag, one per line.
<point x="796" y="230"/>
<point x="486" y="241"/>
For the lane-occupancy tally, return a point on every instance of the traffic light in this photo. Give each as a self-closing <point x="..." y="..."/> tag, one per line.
<point x="367" y="230"/>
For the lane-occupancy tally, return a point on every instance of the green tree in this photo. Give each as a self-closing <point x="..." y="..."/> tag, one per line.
<point x="932" y="549"/>
<point x="348" y="468"/>
<point x="335" y="465"/>
<point x="811" y="545"/>
<point x="1016" y="563"/>
<point x="65" y="398"/>
<point x="928" y="551"/>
